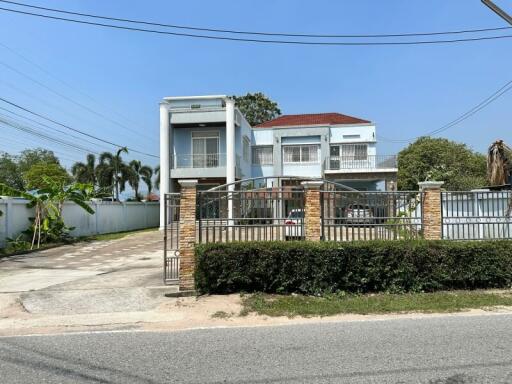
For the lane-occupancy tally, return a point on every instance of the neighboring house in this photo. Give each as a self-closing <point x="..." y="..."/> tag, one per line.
<point x="207" y="138"/>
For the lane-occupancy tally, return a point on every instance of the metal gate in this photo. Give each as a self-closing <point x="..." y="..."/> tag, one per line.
<point x="171" y="238"/>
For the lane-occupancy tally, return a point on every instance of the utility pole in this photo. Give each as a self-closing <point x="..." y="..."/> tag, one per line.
<point x="500" y="12"/>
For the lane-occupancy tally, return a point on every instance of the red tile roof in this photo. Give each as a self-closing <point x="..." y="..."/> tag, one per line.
<point x="311" y="119"/>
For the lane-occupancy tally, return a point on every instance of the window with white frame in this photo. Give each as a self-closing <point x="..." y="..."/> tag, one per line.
<point x="246" y="146"/>
<point x="263" y="155"/>
<point x="301" y="154"/>
<point x="354" y="151"/>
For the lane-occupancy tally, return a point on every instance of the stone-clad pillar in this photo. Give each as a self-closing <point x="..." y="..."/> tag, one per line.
<point x="431" y="216"/>
<point x="312" y="220"/>
<point x="187" y="234"/>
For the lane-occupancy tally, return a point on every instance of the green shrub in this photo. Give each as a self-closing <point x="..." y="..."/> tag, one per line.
<point x="363" y="266"/>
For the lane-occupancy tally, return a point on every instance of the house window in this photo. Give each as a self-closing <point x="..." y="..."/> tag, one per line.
<point x="205" y="149"/>
<point x="263" y="155"/>
<point x="300" y="154"/>
<point x="246" y="149"/>
<point x="354" y="151"/>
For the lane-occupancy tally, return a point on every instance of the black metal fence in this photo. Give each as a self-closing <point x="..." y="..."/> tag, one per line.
<point x="358" y="215"/>
<point x="171" y="238"/>
<point x="476" y="215"/>
<point x="262" y="213"/>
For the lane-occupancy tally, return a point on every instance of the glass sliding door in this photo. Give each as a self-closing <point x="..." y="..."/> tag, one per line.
<point x="205" y="149"/>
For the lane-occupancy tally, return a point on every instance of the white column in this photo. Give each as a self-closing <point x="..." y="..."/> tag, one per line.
<point x="230" y="152"/>
<point x="165" y="164"/>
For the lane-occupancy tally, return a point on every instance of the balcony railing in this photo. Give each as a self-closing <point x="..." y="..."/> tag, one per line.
<point x="211" y="160"/>
<point x="368" y="162"/>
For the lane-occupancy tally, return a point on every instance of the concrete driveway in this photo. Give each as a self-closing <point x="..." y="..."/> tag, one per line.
<point x="85" y="278"/>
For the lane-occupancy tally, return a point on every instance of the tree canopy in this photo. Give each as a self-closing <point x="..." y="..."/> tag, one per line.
<point x="257" y="108"/>
<point x="38" y="175"/>
<point x="441" y="159"/>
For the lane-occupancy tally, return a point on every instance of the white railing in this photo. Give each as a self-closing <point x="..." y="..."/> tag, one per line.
<point x="210" y="160"/>
<point x="368" y="162"/>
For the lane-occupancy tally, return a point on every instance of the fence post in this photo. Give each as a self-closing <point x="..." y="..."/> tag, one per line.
<point x="312" y="217"/>
<point x="187" y="234"/>
<point x="431" y="216"/>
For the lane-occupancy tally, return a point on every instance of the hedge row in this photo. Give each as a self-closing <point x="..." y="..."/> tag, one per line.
<point x="373" y="266"/>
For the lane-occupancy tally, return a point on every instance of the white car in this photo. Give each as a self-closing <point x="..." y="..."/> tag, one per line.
<point x="359" y="214"/>
<point x="294" y="223"/>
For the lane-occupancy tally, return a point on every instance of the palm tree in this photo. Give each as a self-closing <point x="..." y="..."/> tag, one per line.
<point x="138" y="172"/>
<point x="157" y="179"/>
<point x="85" y="172"/>
<point x="113" y="172"/>
<point x="499" y="163"/>
<point x="147" y="177"/>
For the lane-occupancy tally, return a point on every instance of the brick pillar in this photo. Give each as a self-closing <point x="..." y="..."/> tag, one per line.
<point x="187" y="234"/>
<point x="312" y="223"/>
<point x="431" y="216"/>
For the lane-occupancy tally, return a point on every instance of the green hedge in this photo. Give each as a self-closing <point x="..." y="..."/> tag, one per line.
<point x="363" y="266"/>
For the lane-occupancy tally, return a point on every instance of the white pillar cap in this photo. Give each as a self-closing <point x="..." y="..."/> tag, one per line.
<point x="312" y="184"/>
<point x="188" y="182"/>
<point x="430" y="185"/>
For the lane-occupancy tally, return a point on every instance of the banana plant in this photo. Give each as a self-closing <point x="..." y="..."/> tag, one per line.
<point x="48" y="203"/>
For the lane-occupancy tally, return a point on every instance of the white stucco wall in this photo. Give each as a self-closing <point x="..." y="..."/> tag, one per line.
<point x="109" y="217"/>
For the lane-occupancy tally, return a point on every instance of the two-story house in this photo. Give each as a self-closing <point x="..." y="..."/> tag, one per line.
<point x="207" y="138"/>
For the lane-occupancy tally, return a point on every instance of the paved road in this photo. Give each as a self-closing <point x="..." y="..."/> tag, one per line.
<point x="446" y="350"/>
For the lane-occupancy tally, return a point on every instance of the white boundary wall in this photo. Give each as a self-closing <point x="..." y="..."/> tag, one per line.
<point x="108" y="217"/>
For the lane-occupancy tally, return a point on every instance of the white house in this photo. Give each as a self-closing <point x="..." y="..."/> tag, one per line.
<point x="207" y="138"/>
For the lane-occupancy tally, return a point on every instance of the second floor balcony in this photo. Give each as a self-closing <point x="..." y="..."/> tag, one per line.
<point x="201" y="165"/>
<point x="209" y="160"/>
<point x="370" y="163"/>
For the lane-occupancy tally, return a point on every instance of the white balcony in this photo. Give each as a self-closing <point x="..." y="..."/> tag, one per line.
<point x="201" y="165"/>
<point x="352" y="164"/>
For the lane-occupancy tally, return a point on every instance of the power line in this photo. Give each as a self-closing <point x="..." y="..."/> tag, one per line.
<point x="73" y="129"/>
<point x="22" y="144"/>
<point x="47" y="137"/>
<point x="75" y="89"/>
<point x="49" y="127"/>
<point x="259" y="33"/>
<point x="70" y="100"/>
<point x="484" y="103"/>
<point x="288" y="42"/>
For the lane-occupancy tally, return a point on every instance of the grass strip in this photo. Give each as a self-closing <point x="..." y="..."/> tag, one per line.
<point x="328" y="305"/>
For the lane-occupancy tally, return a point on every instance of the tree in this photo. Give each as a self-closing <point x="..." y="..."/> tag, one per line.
<point x="112" y="171"/>
<point x="85" y="172"/>
<point x="257" y="108"/>
<point x="440" y="159"/>
<point x="29" y="157"/>
<point x="138" y="172"/>
<point x="9" y="174"/>
<point x="38" y="174"/>
<point x="157" y="178"/>
<point x="499" y="163"/>
<point x="147" y="178"/>
<point x="48" y="202"/>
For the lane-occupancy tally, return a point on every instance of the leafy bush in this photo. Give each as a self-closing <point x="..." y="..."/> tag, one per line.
<point x="372" y="266"/>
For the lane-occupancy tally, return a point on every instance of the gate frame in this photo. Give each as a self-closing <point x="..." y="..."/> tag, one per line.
<point x="171" y="273"/>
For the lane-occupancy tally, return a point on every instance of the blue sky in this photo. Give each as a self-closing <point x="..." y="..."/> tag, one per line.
<point x="405" y="90"/>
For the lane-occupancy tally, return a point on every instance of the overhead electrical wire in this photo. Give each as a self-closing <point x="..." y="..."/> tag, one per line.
<point x="51" y="128"/>
<point x="484" y="103"/>
<point x="74" y="129"/>
<point x="65" y="83"/>
<point x="23" y="128"/>
<point x="263" y="41"/>
<point x="22" y="145"/>
<point x="71" y="100"/>
<point x="257" y="33"/>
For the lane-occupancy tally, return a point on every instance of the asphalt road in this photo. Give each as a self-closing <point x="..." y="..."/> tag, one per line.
<point x="451" y="350"/>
